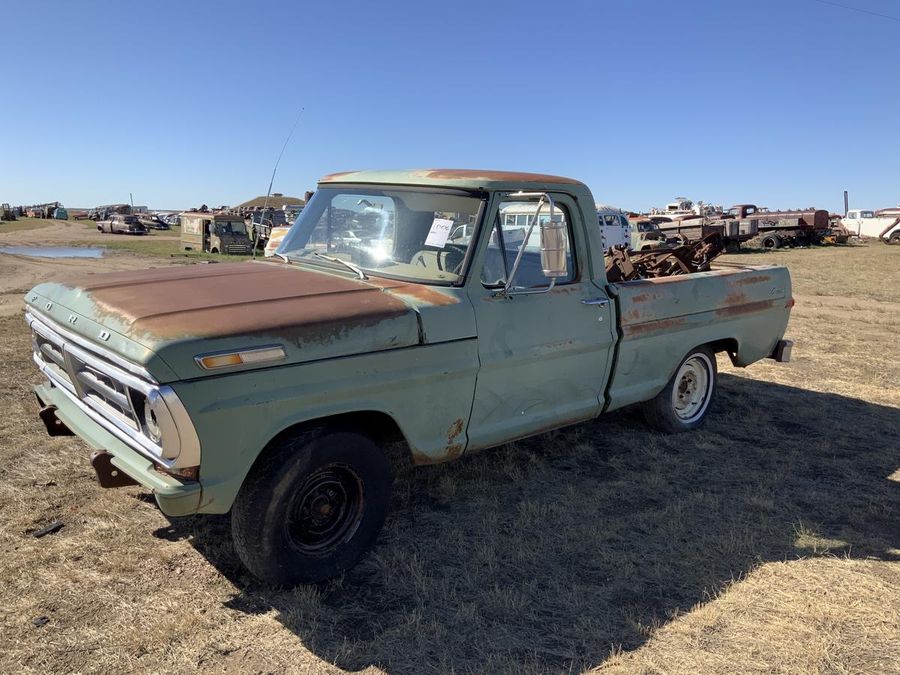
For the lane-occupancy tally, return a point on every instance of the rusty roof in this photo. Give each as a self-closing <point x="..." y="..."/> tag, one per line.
<point x="462" y="178"/>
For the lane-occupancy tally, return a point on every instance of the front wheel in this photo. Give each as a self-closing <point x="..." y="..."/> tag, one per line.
<point x="894" y="238"/>
<point x="312" y="507"/>
<point x="684" y="401"/>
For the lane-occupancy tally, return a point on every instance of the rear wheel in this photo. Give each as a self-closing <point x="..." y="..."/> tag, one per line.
<point x="684" y="402"/>
<point x="771" y="242"/>
<point x="894" y="238"/>
<point x="312" y="507"/>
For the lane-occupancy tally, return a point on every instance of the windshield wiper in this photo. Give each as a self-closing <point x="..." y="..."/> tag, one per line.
<point x="349" y="265"/>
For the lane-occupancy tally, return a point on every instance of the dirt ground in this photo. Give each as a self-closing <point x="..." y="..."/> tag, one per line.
<point x="19" y="273"/>
<point x="768" y="541"/>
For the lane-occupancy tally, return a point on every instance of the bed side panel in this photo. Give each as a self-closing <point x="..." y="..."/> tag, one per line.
<point x="661" y="319"/>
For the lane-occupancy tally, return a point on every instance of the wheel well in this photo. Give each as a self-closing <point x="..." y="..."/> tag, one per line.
<point x="378" y="426"/>
<point x="728" y="345"/>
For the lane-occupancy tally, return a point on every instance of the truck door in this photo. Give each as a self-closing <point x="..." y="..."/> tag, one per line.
<point x="543" y="355"/>
<point x="207" y="229"/>
<point x="852" y="222"/>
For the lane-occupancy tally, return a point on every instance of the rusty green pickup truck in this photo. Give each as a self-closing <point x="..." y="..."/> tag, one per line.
<point x="401" y="306"/>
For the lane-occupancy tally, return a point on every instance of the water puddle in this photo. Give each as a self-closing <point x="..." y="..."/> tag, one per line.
<point x="54" y="251"/>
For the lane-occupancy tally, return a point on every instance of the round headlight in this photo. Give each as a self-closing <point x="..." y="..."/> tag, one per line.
<point x="151" y="423"/>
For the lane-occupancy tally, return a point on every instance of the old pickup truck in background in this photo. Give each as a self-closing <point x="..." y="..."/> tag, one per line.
<point x="267" y="389"/>
<point x="883" y="225"/>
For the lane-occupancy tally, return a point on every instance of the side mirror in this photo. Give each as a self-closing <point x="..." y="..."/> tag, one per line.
<point x="554" y="240"/>
<point x="553" y="247"/>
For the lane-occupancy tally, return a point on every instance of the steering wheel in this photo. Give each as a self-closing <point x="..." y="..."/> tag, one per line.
<point x="455" y="257"/>
<point x="449" y="259"/>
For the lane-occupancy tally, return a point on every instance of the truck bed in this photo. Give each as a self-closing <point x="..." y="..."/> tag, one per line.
<point x="743" y="307"/>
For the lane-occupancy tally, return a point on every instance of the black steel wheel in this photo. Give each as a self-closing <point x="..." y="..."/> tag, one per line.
<point x="326" y="510"/>
<point x="311" y="506"/>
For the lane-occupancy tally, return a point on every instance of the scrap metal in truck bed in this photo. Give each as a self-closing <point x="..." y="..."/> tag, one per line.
<point x="267" y="388"/>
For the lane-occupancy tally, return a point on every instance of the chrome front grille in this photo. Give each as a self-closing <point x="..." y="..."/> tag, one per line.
<point x="109" y="396"/>
<point x="115" y="393"/>
<point x="100" y="384"/>
<point x="48" y="347"/>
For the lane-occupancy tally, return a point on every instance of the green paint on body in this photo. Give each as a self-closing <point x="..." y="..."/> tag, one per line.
<point x="456" y="368"/>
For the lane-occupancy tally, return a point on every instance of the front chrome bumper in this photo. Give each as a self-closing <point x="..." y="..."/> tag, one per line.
<point x="175" y="497"/>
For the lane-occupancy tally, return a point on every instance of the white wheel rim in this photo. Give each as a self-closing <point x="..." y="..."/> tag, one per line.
<point x="693" y="383"/>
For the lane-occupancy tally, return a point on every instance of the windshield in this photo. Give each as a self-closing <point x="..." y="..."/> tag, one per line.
<point x="231" y="227"/>
<point x="416" y="234"/>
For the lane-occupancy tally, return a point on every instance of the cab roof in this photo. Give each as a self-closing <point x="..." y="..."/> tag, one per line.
<point x="459" y="178"/>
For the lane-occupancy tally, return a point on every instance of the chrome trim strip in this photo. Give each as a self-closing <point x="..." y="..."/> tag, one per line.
<point x="189" y="454"/>
<point x="114" y="358"/>
<point x="48" y="372"/>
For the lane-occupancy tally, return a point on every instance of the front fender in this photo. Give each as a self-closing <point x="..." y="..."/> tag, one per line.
<point x="427" y="390"/>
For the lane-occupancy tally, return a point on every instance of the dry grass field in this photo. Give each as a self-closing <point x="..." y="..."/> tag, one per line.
<point x="768" y="541"/>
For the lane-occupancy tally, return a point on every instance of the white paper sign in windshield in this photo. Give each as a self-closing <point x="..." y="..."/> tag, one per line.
<point x="439" y="232"/>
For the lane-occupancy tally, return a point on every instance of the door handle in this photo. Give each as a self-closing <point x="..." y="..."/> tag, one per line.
<point x="599" y="302"/>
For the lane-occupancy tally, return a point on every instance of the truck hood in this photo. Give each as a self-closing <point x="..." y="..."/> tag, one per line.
<point x="173" y="314"/>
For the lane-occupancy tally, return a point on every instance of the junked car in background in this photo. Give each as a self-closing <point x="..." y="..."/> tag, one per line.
<point x="118" y="223"/>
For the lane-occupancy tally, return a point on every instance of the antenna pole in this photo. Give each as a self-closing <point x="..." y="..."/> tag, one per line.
<point x="272" y="179"/>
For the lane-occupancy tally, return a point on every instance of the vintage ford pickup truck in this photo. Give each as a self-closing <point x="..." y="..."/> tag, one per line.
<point x="267" y="389"/>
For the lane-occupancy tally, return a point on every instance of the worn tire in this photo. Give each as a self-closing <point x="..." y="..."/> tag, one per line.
<point x="771" y="242"/>
<point x="684" y="402"/>
<point x="894" y="238"/>
<point x="284" y="507"/>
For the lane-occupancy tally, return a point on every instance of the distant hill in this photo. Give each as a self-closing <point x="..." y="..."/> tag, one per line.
<point x="276" y="200"/>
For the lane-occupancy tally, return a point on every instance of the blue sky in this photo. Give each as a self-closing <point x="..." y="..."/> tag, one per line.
<point x="783" y="103"/>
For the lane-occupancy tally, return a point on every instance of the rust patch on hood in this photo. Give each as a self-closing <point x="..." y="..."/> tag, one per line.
<point x="239" y="298"/>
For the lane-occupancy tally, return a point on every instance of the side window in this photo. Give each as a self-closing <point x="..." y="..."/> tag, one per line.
<point x="508" y="236"/>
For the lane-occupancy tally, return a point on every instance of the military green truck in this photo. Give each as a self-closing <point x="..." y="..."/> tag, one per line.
<point x="268" y="389"/>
